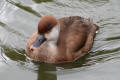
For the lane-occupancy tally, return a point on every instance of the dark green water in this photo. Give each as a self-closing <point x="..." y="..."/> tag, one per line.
<point x="19" y="19"/>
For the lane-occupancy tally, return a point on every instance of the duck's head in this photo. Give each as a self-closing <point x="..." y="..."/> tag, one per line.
<point x="48" y="30"/>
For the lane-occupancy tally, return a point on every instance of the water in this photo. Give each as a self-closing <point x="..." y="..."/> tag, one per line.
<point x="19" y="19"/>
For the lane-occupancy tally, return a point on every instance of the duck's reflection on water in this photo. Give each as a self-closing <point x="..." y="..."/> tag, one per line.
<point x="44" y="71"/>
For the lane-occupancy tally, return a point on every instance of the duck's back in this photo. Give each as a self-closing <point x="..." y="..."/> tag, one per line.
<point x="67" y="21"/>
<point x="73" y="34"/>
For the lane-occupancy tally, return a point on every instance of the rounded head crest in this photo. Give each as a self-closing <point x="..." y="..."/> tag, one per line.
<point x="46" y="24"/>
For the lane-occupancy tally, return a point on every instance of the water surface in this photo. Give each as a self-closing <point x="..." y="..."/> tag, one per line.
<point x="19" y="19"/>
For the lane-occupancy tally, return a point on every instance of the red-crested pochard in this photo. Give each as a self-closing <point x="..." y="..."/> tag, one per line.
<point x="61" y="40"/>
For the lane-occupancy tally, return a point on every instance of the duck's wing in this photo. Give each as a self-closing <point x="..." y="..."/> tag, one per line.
<point x="80" y="38"/>
<point x="76" y="38"/>
<point x="88" y="44"/>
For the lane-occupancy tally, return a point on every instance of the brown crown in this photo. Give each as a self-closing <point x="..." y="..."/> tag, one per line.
<point x="46" y="23"/>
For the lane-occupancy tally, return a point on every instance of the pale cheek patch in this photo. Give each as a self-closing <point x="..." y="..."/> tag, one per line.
<point x="54" y="34"/>
<point x="52" y="38"/>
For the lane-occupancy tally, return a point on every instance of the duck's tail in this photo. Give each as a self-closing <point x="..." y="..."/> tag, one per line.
<point x="90" y="22"/>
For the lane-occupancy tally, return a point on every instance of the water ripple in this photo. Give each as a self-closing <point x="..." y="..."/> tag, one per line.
<point x="26" y="8"/>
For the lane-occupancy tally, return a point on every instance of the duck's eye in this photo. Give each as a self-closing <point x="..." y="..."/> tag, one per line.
<point x="49" y="29"/>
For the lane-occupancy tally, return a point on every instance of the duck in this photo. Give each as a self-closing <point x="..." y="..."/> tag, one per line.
<point x="61" y="40"/>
